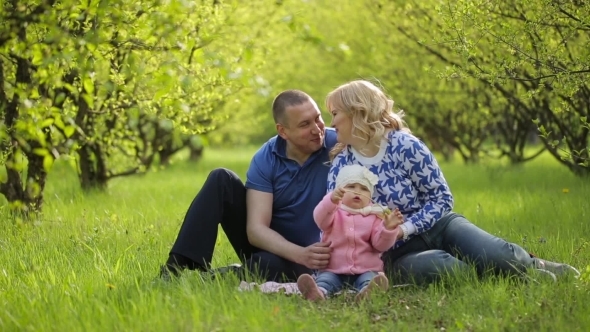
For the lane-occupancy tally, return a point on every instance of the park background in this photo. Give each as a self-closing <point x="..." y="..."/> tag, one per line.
<point x="113" y="112"/>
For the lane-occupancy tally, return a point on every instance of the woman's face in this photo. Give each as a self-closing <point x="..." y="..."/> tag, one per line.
<point x="342" y="123"/>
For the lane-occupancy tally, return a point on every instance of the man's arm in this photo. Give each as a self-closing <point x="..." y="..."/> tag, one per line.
<point x="260" y="235"/>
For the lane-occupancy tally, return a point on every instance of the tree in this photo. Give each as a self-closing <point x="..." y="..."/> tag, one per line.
<point x="78" y="78"/>
<point x="26" y="101"/>
<point x="441" y="112"/>
<point x="539" y="45"/>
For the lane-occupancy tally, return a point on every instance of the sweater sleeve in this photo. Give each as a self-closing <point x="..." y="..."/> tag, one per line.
<point x="323" y="214"/>
<point x="426" y="176"/>
<point x="381" y="238"/>
<point x="331" y="183"/>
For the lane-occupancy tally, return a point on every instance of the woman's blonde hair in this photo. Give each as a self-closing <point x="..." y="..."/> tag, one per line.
<point x="369" y="108"/>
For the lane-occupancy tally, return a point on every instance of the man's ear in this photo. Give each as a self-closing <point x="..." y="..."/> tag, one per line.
<point x="281" y="131"/>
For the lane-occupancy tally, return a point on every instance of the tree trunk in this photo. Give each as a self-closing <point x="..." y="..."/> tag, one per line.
<point x="36" y="179"/>
<point x="92" y="173"/>
<point x="167" y="150"/>
<point x="196" y="152"/>
<point x="26" y="198"/>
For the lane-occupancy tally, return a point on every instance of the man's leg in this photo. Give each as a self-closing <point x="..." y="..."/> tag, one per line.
<point x="271" y="267"/>
<point x="221" y="200"/>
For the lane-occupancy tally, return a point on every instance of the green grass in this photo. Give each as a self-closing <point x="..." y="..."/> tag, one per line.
<point x="88" y="264"/>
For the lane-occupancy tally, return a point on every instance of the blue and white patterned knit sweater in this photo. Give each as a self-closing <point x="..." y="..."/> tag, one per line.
<point x="409" y="178"/>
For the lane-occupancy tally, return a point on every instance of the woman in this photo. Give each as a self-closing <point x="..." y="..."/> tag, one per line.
<point x="434" y="240"/>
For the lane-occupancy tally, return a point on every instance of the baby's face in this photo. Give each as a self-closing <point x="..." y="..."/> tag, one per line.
<point x="356" y="196"/>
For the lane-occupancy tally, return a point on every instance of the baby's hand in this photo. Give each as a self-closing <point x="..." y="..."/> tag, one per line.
<point x="337" y="195"/>
<point x="393" y="220"/>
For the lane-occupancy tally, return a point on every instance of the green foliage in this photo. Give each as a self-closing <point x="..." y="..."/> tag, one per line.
<point x="114" y="84"/>
<point x="118" y="87"/>
<point x="585" y="277"/>
<point x="534" y="55"/>
<point x="475" y="78"/>
<point x="333" y="48"/>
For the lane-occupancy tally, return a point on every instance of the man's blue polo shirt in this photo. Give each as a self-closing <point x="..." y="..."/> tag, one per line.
<point x="296" y="189"/>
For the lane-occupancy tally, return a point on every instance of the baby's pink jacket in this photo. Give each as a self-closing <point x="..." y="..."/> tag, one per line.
<point x="357" y="240"/>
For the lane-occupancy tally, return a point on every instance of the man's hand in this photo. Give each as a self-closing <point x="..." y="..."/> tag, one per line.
<point x="337" y="195"/>
<point x="393" y="220"/>
<point x="315" y="256"/>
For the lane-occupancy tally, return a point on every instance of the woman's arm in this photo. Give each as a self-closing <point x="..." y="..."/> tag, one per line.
<point x="426" y="176"/>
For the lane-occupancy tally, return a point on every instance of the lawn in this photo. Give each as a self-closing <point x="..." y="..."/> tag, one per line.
<point x="90" y="262"/>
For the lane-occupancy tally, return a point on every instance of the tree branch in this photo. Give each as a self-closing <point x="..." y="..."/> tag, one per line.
<point x="3" y="97"/>
<point x="124" y="173"/>
<point x="541" y="23"/>
<point x="563" y="11"/>
<point x="574" y="72"/>
<point x="18" y="21"/>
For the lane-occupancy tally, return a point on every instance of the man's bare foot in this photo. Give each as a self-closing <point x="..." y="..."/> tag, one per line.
<point x="309" y="288"/>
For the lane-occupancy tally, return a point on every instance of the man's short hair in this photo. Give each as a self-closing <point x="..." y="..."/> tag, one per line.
<point x="286" y="99"/>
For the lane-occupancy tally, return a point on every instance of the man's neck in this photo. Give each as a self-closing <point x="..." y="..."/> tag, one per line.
<point x="295" y="154"/>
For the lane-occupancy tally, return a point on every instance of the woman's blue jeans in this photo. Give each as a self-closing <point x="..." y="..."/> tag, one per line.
<point x="449" y="247"/>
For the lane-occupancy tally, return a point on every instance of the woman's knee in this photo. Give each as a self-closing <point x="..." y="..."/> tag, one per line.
<point x="455" y="222"/>
<point x="475" y="245"/>
<point x="507" y="257"/>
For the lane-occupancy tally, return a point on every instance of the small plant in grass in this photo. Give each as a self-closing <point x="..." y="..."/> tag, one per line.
<point x="585" y="276"/>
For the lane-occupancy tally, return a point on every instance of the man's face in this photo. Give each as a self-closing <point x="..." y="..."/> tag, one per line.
<point x="303" y="127"/>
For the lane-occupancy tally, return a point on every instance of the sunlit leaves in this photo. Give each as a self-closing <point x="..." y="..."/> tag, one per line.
<point x="78" y="74"/>
<point x="533" y="54"/>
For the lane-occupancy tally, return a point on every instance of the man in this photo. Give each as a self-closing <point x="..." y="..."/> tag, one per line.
<point x="269" y="220"/>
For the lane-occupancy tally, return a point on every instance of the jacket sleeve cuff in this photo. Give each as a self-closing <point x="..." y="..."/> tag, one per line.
<point x="408" y="229"/>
